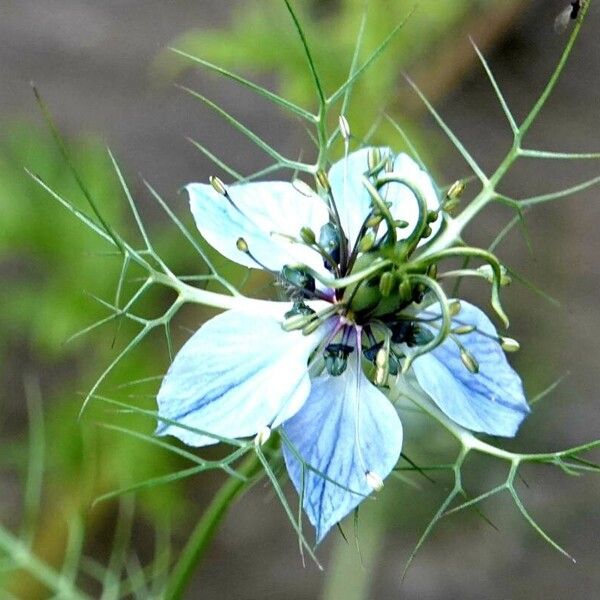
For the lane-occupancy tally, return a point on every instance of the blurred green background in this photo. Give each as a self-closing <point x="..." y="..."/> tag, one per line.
<point x="104" y="71"/>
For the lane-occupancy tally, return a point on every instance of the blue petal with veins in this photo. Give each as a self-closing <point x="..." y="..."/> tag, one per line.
<point x="491" y="401"/>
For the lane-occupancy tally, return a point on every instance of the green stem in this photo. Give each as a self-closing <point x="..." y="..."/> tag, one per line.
<point x="206" y="528"/>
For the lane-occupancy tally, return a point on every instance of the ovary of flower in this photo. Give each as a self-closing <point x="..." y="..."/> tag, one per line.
<point x="242" y="374"/>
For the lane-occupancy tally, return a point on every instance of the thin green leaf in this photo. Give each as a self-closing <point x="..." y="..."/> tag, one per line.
<point x="261" y="91"/>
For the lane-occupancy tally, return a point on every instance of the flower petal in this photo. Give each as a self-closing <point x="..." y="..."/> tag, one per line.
<point x="353" y="200"/>
<point x="351" y="197"/>
<point x="346" y="429"/>
<point x="237" y="374"/>
<point x="404" y="204"/>
<point x="261" y="213"/>
<point x="490" y="401"/>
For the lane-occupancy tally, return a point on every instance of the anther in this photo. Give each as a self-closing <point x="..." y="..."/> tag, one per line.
<point x="381" y="367"/>
<point x="453" y="196"/>
<point x="344" y="127"/>
<point x="373" y="158"/>
<point x="297" y="321"/>
<point x="432" y="271"/>
<point x="262" y="437"/>
<point x="323" y="181"/>
<point x="242" y="246"/>
<point x="374" y="481"/>
<point x="312" y="326"/>
<point x="509" y="344"/>
<point x="469" y="361"/>
<point x="464" y="329"/>
<point x="374" y="221"/>
<point x="308" y="236"/>
<point x="218" y="185"/>
<point x="367" y="241"/>
<point x="454" y="307"/>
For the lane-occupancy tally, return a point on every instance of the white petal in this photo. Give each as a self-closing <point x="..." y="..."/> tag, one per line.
<point x="354" y="202"/>
<point x="351" y="197"/>
<point x="489" y="401"/>
<point x="350" y="435"/>
<point x="237" y="374"/>
<point x="260" y="213"/>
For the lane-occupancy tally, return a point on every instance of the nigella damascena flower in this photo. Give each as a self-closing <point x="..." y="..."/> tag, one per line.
<point x="317" y="365"/>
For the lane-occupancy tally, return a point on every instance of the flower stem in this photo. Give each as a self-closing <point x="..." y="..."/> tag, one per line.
<point x="206" y="528"/>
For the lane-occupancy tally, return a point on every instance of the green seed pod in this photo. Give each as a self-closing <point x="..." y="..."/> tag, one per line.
<point x="242" y="246"/>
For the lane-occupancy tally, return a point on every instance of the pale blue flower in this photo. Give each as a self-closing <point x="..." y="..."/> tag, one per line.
<point x="242" y="374"/>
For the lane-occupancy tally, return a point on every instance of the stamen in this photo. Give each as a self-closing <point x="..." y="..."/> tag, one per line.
<point x="381" y="371"/>
<point x="509" y="344"/>
<point x="373" y="159"/>
<point x="454" y="307"/>
<point x="300" y="321"/>
<point x="456" y="190"/>
<point x="218" y="185"/>
<point x="323" y="182"/>
<point x="220" y="188"/>
<point x="469" y="360"/>
<point x="464" y="329"/>
<point x="242" y="246"/>
<point x="367" y="242"/>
